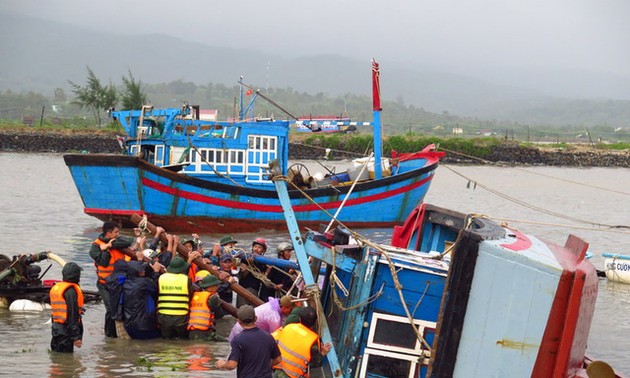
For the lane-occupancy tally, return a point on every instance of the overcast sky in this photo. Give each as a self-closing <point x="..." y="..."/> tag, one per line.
<point x="460" y="34"/>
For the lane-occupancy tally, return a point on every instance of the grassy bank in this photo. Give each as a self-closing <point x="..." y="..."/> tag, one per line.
<point x="359" y="143"/>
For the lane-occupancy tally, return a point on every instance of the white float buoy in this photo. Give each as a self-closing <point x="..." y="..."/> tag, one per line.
<point x="27" y="305"/>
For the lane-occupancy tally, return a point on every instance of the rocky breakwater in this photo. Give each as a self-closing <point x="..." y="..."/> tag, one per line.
<point x="37" y="140"/>
<point x="573" y="156"/>
<point x="98" y="141"/>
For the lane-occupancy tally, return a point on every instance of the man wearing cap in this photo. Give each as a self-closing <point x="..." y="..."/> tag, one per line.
<point x="194" y="250"/>
<point x="228" y="243"/>
<point x="139" y="300"/>
<point x="248" y="280"/>
<point x="253" y="352"/>
<point x="204" y="309"/>
<point x="174" y="294"/>
<point x="225" y="290"/>
<point x="105" y="251"/>
<point x="299" y="345"/>
<point x="269" y="315"/>
<point x="66" y="300"/>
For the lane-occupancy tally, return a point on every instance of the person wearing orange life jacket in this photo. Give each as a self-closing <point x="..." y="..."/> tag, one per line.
<point x="299" y="345"/>
<point x="66" y="300"/>
<point x="204" y="309"/>
<point x="194" y="250"/>
<point x="105" y="251"/>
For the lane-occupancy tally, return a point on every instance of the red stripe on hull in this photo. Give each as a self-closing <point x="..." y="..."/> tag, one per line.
<point x="277" y="208"/>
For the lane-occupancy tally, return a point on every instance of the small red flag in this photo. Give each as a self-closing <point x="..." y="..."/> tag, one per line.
<point x="376" y="87"/>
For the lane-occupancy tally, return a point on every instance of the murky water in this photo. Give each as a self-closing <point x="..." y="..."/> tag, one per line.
<point x="41" y="210"/>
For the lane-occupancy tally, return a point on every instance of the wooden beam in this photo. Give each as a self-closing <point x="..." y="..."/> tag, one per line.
<point x="214" y="270"/>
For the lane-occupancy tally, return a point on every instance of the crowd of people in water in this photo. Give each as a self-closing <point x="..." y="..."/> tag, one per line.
<point x="150" y="291"/>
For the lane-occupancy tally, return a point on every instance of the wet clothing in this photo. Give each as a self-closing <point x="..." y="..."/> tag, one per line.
<point x="104" y="262"/>
<point x="66" y="299"/>
<point x="114" y="284"/>
<point x="295" y="342"/>
<point x="253" y="349"/>
<point x="173" y="304"/>
<point x="250" y="282"/>
<point x="277" y="277"/>
<point x="225" y="290"/>
<point x="268" y="318"/>
<point x="204" y="309"/>
<point x="140" y="298"/>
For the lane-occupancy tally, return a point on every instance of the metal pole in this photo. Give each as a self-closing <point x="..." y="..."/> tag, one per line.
<point x="302" y="258"/>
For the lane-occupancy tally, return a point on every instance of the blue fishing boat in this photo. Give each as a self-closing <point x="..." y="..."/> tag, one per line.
<point x="453" y="295"/>
<point x="188" y="173"/>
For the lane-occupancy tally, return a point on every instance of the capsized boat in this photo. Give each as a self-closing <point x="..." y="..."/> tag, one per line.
<point x="507" y="304"/>
<point x="617" y="267"/>
<point x="21" y="279"/>
<point x="188" y="173"/>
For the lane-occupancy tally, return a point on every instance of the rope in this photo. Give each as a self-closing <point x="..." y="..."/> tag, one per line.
<point x="345" y="198"/>
<point x="219" y="174"/>
<point x="332" y="149"/>
<point x="260" y="276"/>
<point x="616" y="231"/>
<point x="143" y="223"/>
<point x="364" y="240"/>
<point x="426" y="288"/>
<point x="533" y="207"/>
<point x="499" y="164"/>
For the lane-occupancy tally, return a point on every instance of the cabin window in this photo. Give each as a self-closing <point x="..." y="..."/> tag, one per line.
<point x="391" y="365"/>
<point x="393" y="350"/>
<point x="159" y="155"/>
<point x="261" y="150"/>
<point x="179" y="153"/>
<point x="217" y="160"/>
<point x="133" y="150"/>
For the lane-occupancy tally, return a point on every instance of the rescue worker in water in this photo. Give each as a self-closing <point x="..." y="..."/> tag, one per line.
<point x="66" y="300"/>
<point x="299" y="345"/>
<point x="105" y="251"/>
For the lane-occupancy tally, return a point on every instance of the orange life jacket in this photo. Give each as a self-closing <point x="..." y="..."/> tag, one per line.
<point x="58" y="303"/>
<point x="201" y="317"/>
<point x="115" y="255"/>
<point x="192" y="271"/>
<point x="295" y="342"/>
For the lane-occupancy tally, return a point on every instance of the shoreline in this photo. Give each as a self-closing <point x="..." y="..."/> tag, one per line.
<point x="31" y="140"/>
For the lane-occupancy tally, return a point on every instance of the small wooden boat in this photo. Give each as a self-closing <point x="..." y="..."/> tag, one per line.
<point x="21" y="279"/>
<point x="617" y="267"/>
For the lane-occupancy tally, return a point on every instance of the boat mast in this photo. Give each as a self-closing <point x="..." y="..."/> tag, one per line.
<point x="376" y="107"/>
<point x="240" y="105"/>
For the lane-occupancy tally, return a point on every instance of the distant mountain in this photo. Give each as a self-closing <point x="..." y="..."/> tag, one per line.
<point x="40" y="56"/>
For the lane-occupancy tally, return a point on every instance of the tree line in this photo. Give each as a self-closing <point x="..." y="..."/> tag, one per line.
<point x="95" y="97"/>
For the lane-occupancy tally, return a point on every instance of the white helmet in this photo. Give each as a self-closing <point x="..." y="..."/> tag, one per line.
<point x="283" y="247"/>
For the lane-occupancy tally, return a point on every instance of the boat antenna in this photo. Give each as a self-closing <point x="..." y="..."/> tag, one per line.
<point x="272" y="102"/>
<point x="240" y="106"/>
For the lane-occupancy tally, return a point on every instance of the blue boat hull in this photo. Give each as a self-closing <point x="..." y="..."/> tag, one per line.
<point x="113" y="187"/>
